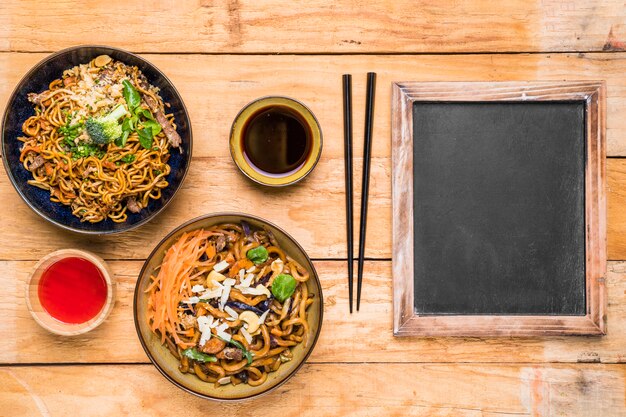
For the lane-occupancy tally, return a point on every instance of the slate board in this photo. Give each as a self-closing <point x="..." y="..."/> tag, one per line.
<point x="499" y="208"/>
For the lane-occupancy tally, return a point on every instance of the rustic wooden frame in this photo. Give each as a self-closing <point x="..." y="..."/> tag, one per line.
<point x="406" y="322"/>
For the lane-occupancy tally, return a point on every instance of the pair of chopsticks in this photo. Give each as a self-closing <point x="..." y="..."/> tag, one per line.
<point x="367" y="156"/>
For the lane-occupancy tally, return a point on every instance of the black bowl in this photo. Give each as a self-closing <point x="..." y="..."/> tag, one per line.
<point x="19" y="109"/>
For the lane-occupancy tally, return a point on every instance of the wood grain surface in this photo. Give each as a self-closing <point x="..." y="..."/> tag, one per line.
<point x="201" y="79"/>
<point x="249" y="26"/>
<point x="363" y="337"/>
<point x="223" y="54"/>
<point x="454" y="390"/>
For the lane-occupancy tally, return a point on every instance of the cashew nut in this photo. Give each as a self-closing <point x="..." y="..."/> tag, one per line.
<point x="251" y="319"/>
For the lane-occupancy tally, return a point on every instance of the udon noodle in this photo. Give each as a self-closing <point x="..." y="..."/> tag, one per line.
<point x="99" y="180"/>
<point x="229" y="304"/>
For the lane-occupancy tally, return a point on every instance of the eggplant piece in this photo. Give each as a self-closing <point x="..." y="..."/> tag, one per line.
<point x="266" y="278"/>
<point x="246" y="227"/>
<point x="265" y="304"/>
<point x="271" y="237"/>
<point x="244" y="306"/>
<point x="187" y="308"/>
<point x="273" y="342"/>
<point x="243" y="375"/>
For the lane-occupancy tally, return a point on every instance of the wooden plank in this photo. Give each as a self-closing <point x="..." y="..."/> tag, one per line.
<point x="215" y="88"/>
<point x="328" y="390"/>
<point x="616" y="202"/>
<point x="318" y="201"/>
<point x="363" y="337"/>
<point x="246" y="26"/>
<point x="313" y="213"/>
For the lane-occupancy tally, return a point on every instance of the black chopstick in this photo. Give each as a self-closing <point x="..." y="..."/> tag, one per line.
<point x="367" y="156"/>
<point x="347" y="137"/>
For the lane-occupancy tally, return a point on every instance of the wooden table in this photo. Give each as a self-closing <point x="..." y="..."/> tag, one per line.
<point x="221" y="55"/>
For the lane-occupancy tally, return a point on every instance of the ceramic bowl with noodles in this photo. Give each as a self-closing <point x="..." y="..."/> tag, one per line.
<point x="228" y="306"/>
<point x="96" y="139"/>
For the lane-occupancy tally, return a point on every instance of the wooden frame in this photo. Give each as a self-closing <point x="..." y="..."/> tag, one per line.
<point x="406" y="322"/>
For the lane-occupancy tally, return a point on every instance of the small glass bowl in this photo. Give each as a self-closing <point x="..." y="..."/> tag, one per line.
<point x="236" y="141"/>
<point x="43" y="318"/>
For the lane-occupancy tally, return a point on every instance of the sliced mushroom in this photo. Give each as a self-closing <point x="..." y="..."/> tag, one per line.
<point x="277" y="267"/>
<point x="102" y="60"/>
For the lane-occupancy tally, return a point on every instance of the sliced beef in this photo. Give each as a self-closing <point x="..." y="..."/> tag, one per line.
<point x="220" y="243"/>
<point x="35" y="98"/>
<point x="89" y="170"/>
<point x="230" y="353"/>
<point x="37" y="162"/>
<point x="172" y="136"/>
<point x="132" y="205"/>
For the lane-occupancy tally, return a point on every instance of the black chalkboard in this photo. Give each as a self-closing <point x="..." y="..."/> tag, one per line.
<point x="499" y="208"/>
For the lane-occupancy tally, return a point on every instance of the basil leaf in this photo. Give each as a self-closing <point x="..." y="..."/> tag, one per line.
<point x="145" y="137"/>
<point x="131" y="95"/>
<point x="121" y="141"/>
<point x="145" y="113"/>
<point x="257" y="255"/>
<point x="283" y="287"/>
<point x="192" y="353"/>
<point x="156" y="127"/>
<point x="128" y="124"/>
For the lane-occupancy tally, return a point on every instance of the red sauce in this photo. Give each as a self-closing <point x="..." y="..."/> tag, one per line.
<point x="72" y="290"/>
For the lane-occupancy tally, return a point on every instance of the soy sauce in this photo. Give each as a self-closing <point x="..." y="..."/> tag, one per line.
<point x="72" y="290"/>
<point x="276" y="141"/>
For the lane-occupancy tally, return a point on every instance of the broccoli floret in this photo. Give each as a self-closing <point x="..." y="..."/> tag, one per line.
<point x="103" y="130"/>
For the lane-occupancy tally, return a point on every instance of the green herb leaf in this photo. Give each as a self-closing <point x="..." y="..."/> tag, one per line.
<point x="128" y="158"/>
<point x="145" y="137"/>
<point x="131" y="95"/>
<point x="155" y="126"/>
<point x="192" y="353"/>
<point x="145" y="113"/>
<point x="121" y="141"/>
<point x="257" y="255"/>
<point x="283" y="287"/>
<point x="128" y="124"/>
<point x="70" y="132"/>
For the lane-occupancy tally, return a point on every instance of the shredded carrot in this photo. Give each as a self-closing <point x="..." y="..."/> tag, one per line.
<point x="210" y="250"/>
<point x="172" y="284"/>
